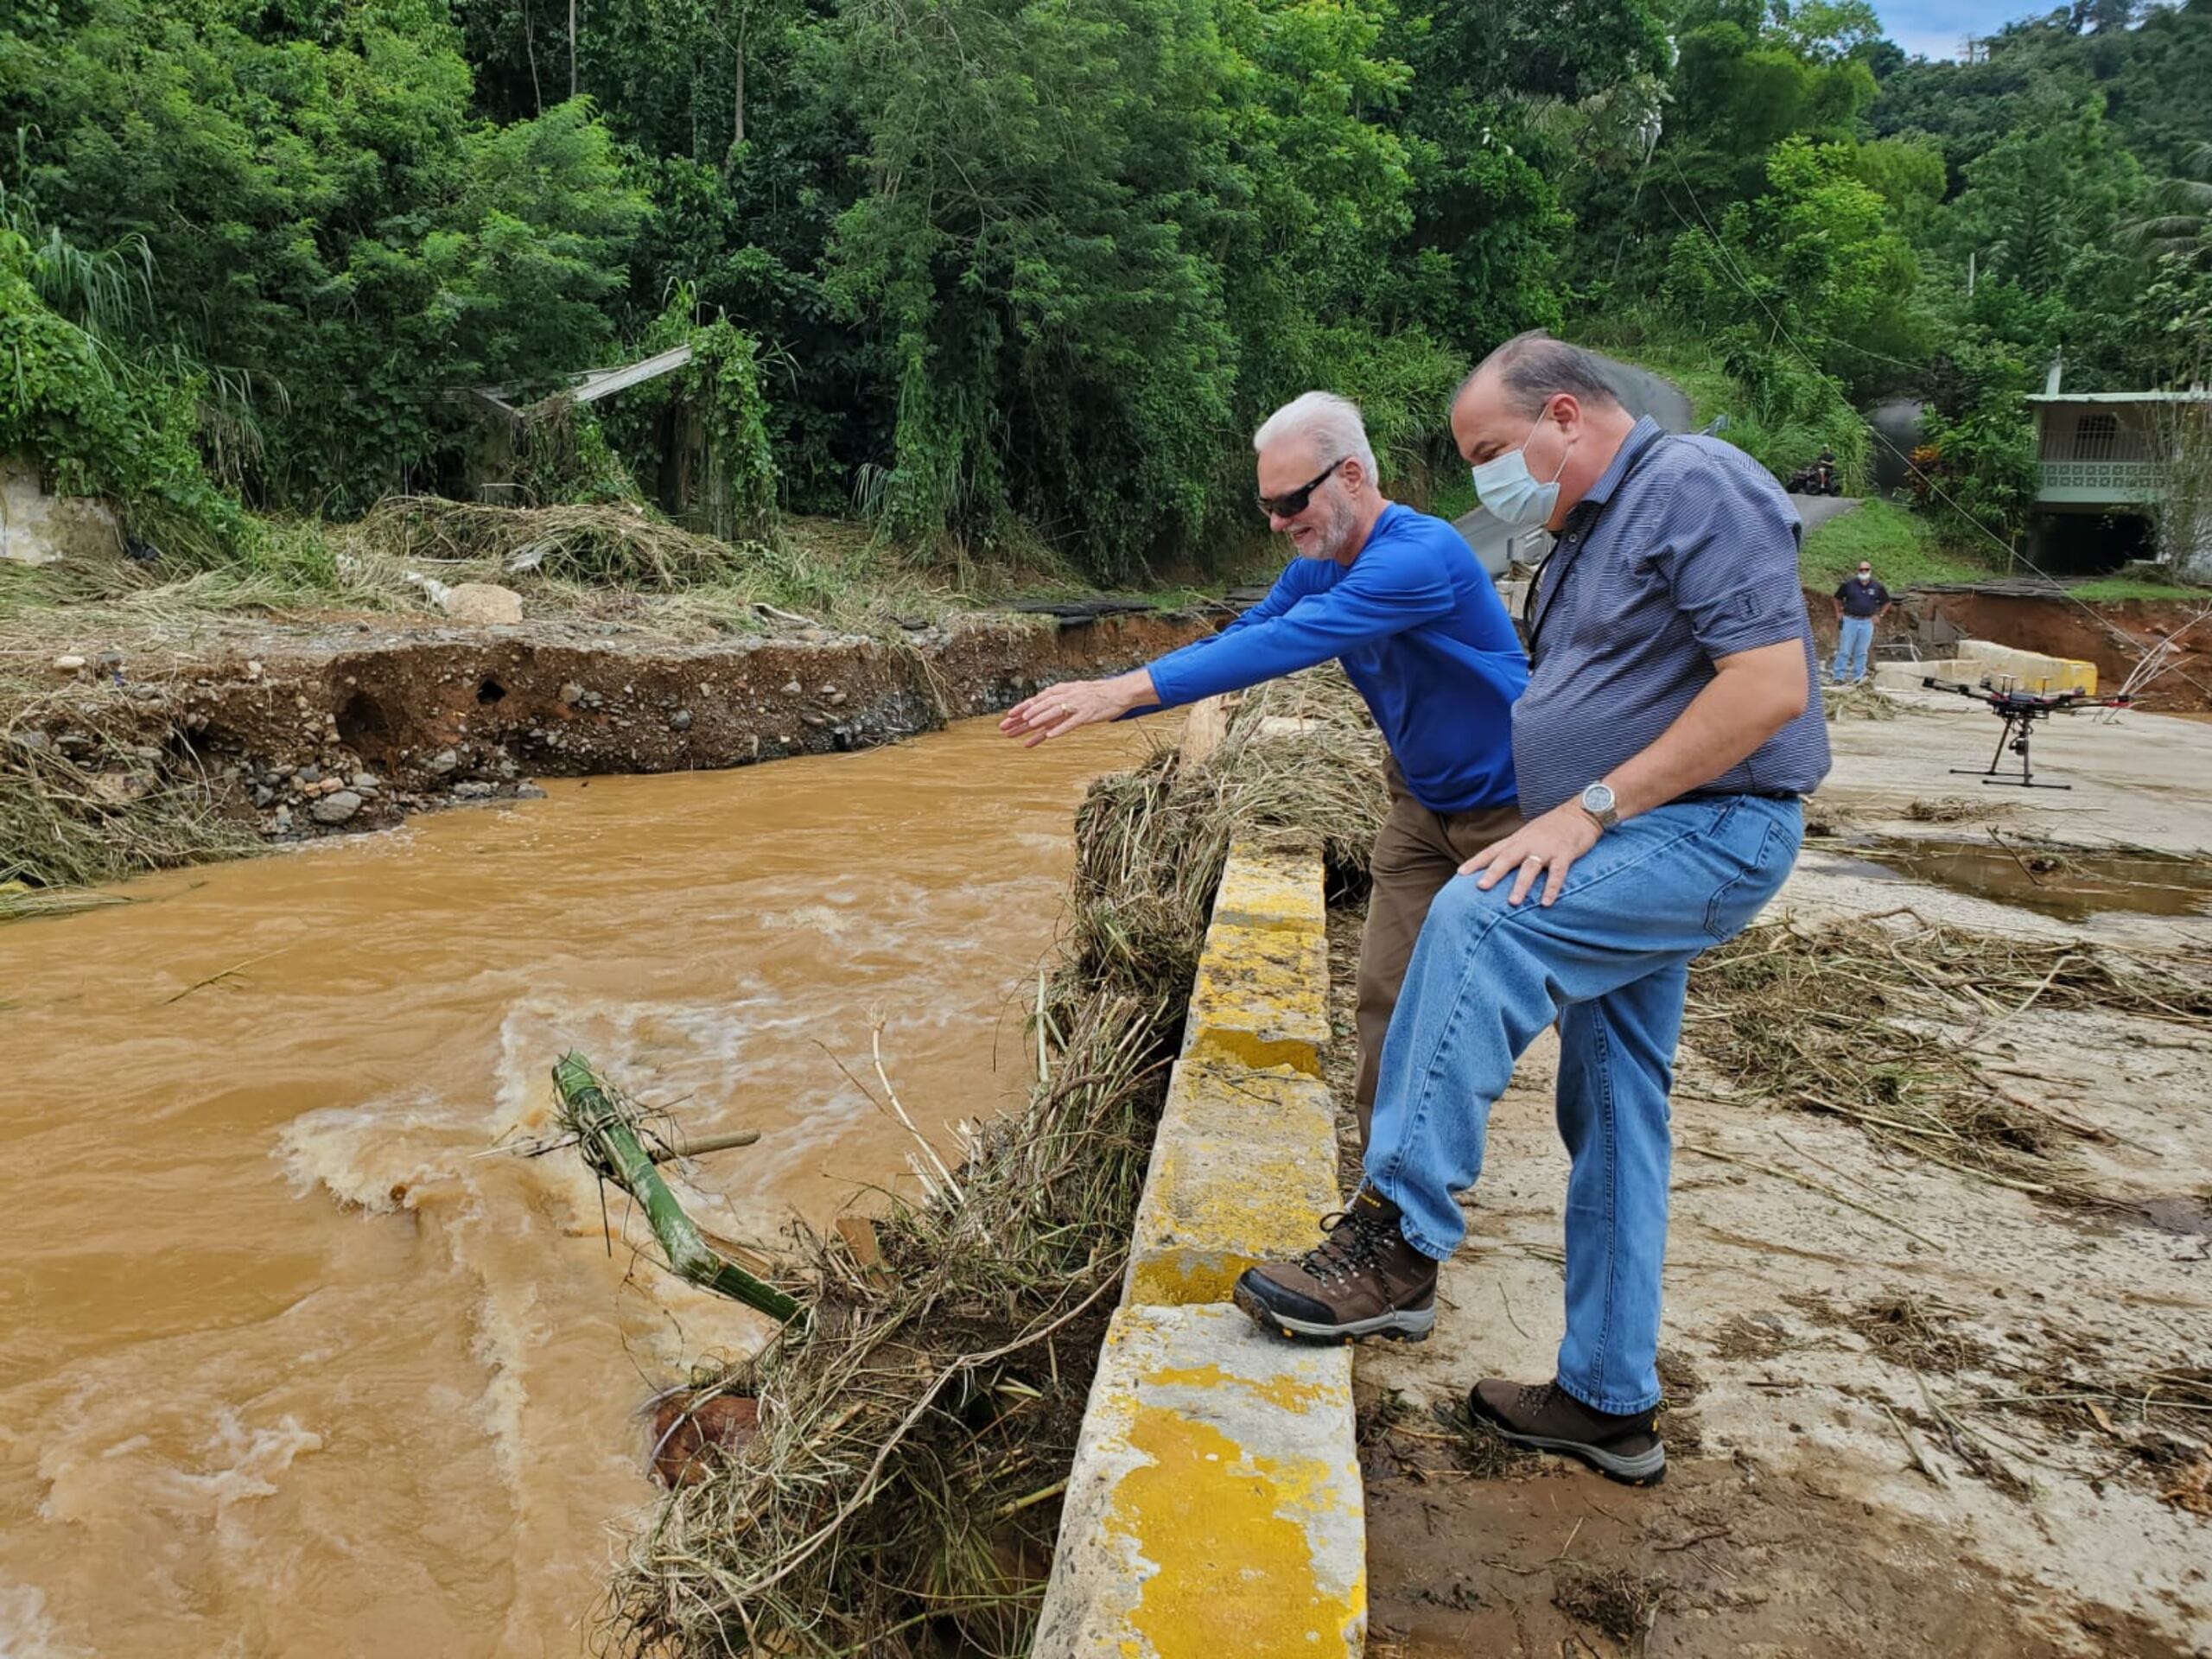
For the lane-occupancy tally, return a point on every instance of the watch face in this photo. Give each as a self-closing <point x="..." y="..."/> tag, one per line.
<point x="1597" y="798"/>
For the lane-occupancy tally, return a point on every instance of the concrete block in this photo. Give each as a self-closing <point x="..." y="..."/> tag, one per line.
<point x="2005" y="668"/>
<point x="37" y="528"/>
<point x="1906" y="676"/>
<point x="1204" y="729"/>
<point x="2027" y="670"/>
<point x="1264" y="888"/>
<point x="1215" y="1509"/>
<point x="1261" y="1000"/>
<point x="482" y="604"/>
<point x="1244" y="1166"/>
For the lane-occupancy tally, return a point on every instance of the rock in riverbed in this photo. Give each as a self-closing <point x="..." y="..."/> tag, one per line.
<point x="335" y="807"/>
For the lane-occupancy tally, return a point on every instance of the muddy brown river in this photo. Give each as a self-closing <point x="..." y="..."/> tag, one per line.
<point x="288" y="1365"/>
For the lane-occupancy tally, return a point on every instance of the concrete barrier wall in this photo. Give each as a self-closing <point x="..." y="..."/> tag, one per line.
<point x="1215" y="1508"/>
<point x="2005" y="667"/>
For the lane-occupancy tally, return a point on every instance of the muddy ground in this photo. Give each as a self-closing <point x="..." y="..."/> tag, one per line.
<point x="1896" y="1426"/>
<point x="339" y="724"/>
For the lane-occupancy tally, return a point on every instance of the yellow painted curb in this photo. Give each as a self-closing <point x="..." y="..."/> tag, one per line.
<point x="1215" y="1508"/>
<point x="1261" y="887"/>
<point x="1259" y="1000"/>
<point x="1244" y="1164"/>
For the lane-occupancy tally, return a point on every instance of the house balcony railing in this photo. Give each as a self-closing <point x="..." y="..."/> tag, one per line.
<point x="2100" y="483"/>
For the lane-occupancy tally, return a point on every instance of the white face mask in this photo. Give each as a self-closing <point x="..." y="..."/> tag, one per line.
<point x="1510" y="491"/>
<point x="1866" y="575"/>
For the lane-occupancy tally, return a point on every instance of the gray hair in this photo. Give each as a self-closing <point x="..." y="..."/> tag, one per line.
<point x="1533" y="368"/>
<point x="1330" y="423"/>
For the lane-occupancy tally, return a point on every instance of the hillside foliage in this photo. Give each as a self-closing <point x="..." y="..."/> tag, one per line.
<point x="985" y="269"/>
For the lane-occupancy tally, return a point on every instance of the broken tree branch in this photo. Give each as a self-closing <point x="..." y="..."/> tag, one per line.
<point x="611" y="1147"/>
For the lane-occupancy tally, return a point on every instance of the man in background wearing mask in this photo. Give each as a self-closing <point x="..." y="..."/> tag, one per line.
<point x="1398" y="598"/>
<point x="1671" y="723"/>
<point x="1860" y="603"/>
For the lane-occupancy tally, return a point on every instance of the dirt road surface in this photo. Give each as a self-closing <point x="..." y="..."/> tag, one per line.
<point x="1899" y="1424"/>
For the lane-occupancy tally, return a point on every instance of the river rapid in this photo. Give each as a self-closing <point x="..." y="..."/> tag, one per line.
<point x="293" y="1365"/>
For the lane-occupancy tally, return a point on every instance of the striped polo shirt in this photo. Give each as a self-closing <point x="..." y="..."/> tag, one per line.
<point x="1684" y="550"/>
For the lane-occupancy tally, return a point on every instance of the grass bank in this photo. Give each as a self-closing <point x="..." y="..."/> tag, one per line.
<point x="1899" y="544"/>
<point x="1905" y="552"/>
<point x="613" y="562"/>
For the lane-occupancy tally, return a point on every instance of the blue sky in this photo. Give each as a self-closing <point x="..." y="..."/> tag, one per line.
<point x="1935" y="27"/>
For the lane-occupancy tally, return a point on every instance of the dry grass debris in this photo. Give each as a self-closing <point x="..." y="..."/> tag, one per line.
<point x="1918" y="1332"/>
<point x="2192" y="1487"/>
<point x="1876" y="1021"/>
<point x="616" y="543"/>
<point x="98" y="803"/>
<point x="915" y="1434"/>
<point x="1955" y="808"/>
<point x="1481" y="1451"/>
<point x="1620" y="1603"/>
<point x="1860" y="700"/>
<point x="1757" y="1337"/>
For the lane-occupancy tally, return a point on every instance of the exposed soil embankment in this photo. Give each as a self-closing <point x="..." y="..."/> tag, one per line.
<point x="354" y="725"/>
<point x="2115" y="634"/>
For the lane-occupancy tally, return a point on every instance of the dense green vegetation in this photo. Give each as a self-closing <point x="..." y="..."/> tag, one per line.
<point x="995" y="270"/>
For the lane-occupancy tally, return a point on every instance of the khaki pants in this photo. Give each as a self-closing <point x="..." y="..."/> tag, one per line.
<point x="1416" y="854"/>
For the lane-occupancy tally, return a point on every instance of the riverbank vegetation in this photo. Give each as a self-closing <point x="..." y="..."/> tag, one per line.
<point x="1010" y="283"/>
<point x="915" y="1431"/>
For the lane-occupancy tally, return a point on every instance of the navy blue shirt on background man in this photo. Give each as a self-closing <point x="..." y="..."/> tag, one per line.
<point x="1861" y="602"/>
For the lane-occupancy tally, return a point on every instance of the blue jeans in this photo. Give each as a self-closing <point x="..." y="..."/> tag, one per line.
<point x="1854" y="638"/>
<point x="1610" y="962"/>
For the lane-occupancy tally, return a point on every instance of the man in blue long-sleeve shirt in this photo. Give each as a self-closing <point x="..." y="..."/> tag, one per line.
<point x="1398" y="598"/>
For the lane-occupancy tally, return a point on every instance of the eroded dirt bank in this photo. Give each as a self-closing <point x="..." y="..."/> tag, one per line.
<point x="2115" y="634"/>
<point x="352" y="724"/>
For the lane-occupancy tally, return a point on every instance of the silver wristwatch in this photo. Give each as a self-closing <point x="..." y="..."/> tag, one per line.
<point x="1597" y="802"/>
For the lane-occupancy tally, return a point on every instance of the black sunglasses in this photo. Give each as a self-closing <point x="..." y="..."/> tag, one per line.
<point x="1291" y="504"/>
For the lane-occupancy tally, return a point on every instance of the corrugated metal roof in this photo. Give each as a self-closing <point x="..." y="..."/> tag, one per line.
<point x="596" y="383"/>
<point x="2198" y="395"/>
<point x="592" y="385"/>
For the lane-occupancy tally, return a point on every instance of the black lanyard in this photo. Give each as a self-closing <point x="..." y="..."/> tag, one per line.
<point x="1533" y="618"/>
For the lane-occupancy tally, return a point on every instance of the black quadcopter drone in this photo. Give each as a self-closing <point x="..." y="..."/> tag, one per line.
<point x="2019" y="710"/>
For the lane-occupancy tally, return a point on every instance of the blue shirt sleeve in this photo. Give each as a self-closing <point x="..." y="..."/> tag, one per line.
<point x="1392" y="585"/>
<point x="1730" y="557"/>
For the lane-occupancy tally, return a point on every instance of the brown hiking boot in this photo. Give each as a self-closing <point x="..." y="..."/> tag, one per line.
<point x="1548" y="1418"/>
<point x="1363" y="1280"/>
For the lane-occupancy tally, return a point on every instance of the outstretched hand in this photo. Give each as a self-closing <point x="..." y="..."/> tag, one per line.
<point x="1545" y="846"/>
<point x="1058" y="709"/>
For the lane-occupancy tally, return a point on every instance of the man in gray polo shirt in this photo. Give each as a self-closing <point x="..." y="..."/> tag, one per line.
<point x="1671" y="722"/>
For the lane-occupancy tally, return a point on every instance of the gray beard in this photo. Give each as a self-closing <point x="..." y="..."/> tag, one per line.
<point x="1335" y="535"/>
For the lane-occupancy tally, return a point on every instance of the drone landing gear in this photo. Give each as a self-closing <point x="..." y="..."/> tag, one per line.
<point x="2018" y="728"/>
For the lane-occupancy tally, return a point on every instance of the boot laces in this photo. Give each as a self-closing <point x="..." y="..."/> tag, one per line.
<point x="1534" y="1398"/>
<point x="1353" y="1246"/>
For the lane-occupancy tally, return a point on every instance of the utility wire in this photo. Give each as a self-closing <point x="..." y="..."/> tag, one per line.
<point x="1781" y="332"/>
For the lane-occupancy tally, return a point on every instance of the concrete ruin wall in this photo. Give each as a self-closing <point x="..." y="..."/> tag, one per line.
<point x="38" y="528"/>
